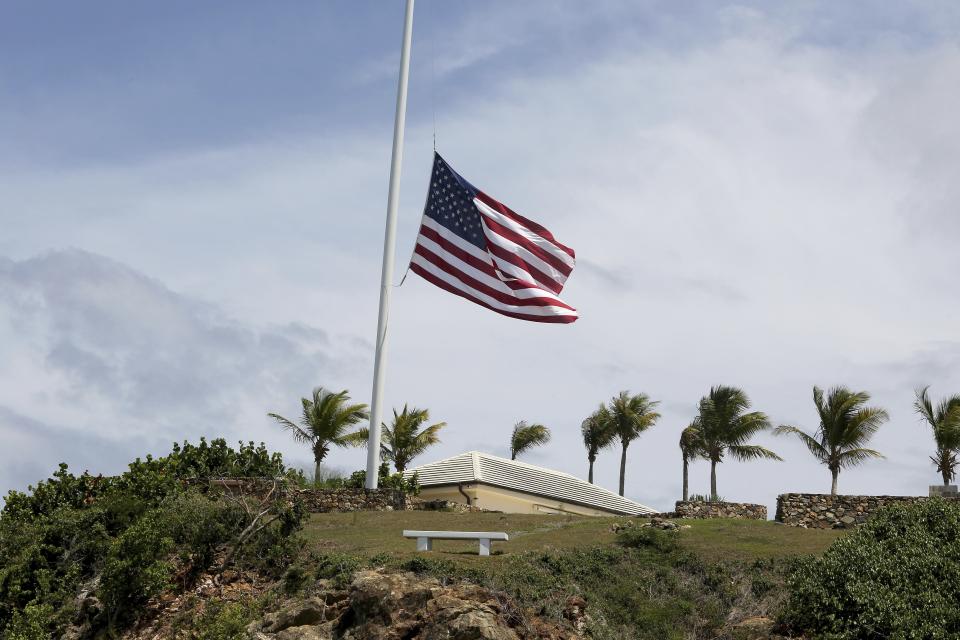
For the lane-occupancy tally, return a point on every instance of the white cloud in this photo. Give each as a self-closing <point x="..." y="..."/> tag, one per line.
<point x="761" y="209"/>
<point x="94" y="352"/>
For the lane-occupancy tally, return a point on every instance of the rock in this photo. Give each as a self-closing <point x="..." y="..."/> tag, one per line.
<point x="303" y="612"/>
<point x="393" y="606"/>
<point x="306" y="632"/>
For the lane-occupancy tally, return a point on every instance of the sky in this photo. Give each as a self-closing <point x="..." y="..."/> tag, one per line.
<point x="760" y="194"/>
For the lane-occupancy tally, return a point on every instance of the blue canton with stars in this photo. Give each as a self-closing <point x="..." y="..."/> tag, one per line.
<point x="450" y="203"/>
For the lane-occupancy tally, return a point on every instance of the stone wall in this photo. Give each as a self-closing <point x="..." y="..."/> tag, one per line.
<point x="736" y="510"/>
<point x="316" y="500"/>
<point x="340" y="500"/>
<point x="823" y="511"/>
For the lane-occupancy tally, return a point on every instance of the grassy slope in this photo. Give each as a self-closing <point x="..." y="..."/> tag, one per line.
<point x="373" y="533"/>
<point x="698" y="584"/>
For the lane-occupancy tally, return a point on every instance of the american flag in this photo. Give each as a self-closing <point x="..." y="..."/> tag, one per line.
<point x="477" y="248"/>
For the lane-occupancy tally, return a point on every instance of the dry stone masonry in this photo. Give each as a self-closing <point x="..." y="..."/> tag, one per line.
<point x="735" y="510"/>
<point x="316" y="500"/>
<point x="823" y="511"/>
<point x="341" y="500"/>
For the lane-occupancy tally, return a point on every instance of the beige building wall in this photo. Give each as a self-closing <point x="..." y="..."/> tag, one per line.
<point x="508" y="501"/>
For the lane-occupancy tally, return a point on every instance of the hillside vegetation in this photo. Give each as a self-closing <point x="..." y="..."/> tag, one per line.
<point x="161" y="552"/>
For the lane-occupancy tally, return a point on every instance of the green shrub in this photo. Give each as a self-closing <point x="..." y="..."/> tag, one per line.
<point x="698" y="497"/>
<point x="223" y="621"/>
<point x="338" y="567"/>
<point x="897" y="576"/>
<point x="136" y="567"/>
<point x="30" y="624"/>
<point x="638" y="537"/>
<point x="127" y="538"/>
<point x="385" y="480"/>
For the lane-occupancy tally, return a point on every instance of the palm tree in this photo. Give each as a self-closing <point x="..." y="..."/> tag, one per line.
<point x="325" y="421"/>
<point x="526" y="436"/>
<point x="725" y="427"/>
<point x="597" y="435"/>
<point x="944" y="419"/>
<point x="846" y="425"/>
<point x="403" y="441"/>
<point x="690" y="448"/>
<point x="631" y="416"/>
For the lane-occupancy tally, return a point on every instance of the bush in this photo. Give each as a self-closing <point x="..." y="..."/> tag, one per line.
<point x="223" y="621"/>
<point x="386" y="480"/>
<point x="897" y="576"/>
<point x="136" y="567"/>
<point x="638" y="537"/>
<point x="124" y="540"/>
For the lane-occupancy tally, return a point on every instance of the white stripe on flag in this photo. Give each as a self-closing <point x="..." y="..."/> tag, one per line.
<point x="529" y="234"/>
<point x="436" y="271"/>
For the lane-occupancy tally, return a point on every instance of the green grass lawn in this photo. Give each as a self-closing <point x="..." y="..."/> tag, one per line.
<point x="371" y="533"/>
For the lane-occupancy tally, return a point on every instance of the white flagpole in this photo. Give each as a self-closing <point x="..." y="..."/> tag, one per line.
<point x="389" y="242"/>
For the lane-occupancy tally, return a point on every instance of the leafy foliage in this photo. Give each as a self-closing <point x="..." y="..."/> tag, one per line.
<point x="897" y="576"/>
<point x="385" y="480"/>
<point x="325" y="422"/>
<point x="526" y="436"/>
<point x="630" y="416"/>
<point x="944" y="421"/>
<point x="126" y="539"/>
<point x="403" y="440"/>
<point x="725" y="426"/>
<point x="690" y="448"/>
<point x="846" y="425"/>
<point x="598" y="434"/>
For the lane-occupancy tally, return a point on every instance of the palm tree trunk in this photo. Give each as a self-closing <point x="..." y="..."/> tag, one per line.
<point x="833" y="485"/>
<point x="686" y="484"/>
<point x="713" y="479"/>
<point x="590" y="472"/>
<point x="316" y="472"/>
<point x="513" y="454"/>
<point x="946" y="476"/>
<point x="623" y="466"/>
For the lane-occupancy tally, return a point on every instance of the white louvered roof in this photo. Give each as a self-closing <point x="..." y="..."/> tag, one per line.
<point x="475" y="466"/>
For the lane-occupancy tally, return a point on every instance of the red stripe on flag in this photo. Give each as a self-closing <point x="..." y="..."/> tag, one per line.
<point x="429" y="277"/>
<point x="476" y="285"/>
<point x="540" y="277"/>
<point x="529" y="224"/>
<point x="519" y="239"/>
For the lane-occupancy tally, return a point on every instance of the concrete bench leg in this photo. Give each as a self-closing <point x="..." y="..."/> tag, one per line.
<point x="424" y="544"/>
<point x="484" y="546"/>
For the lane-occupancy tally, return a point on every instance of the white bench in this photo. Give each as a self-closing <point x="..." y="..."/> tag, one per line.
<point x="425" y="538"/>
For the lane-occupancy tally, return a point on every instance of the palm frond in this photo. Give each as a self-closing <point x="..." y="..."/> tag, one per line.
<point x="631" y="415"/>
<point x="725" y="425"/>
<point x="597" y="431"/>
<point x="526" y="436"/>
<point x="298" y="434"/>
<point x="358" y="438"/>
<point x="690" y="442"/>
<point x="854" y="457"/>
<point x="744" y="452"/>
<point x="326" y="419"/>
<point x="814" y="445"/>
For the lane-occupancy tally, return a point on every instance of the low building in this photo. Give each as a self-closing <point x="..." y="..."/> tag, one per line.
<point x="498" y="484"/>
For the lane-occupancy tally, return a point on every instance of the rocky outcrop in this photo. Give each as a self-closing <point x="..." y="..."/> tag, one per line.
<point x="824" y="511"/>
<point x="736" y="510"/>
<point x="655" y="522"/>
<point x="403" y="606"/>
